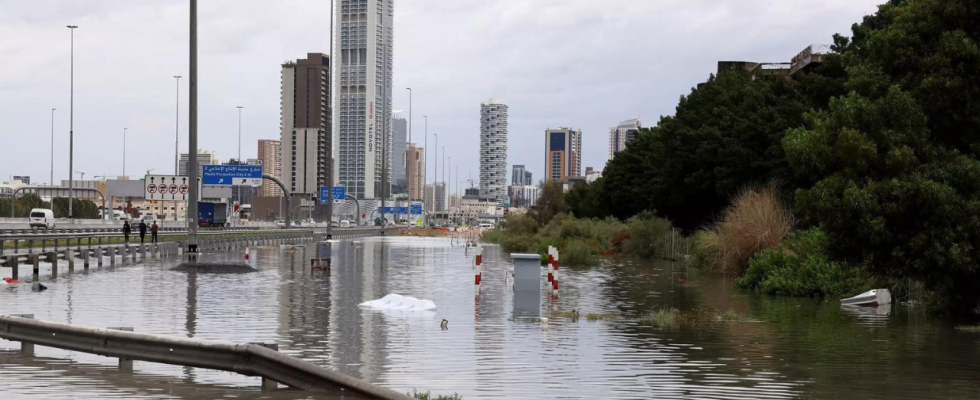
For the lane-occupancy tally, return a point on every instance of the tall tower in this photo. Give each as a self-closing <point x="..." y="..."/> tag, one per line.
<point x="363" y="72"/>
<point x="622" y="135"/>
<point x="563" y="153"/>
<point x="493" y="150"/>
<point x="305" y="124"/>
<point x="270" y="153"/>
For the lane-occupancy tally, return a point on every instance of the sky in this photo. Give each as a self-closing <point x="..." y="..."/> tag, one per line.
<point x="584" y="64"/>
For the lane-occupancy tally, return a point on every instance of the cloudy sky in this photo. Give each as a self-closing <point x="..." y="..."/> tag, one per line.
<point x="586" y="64"/>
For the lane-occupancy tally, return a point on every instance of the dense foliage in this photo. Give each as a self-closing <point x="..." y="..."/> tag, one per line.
<point x="22" y="207"/>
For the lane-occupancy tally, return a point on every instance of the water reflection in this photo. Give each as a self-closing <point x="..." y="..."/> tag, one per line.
<point x="794" y="348"/>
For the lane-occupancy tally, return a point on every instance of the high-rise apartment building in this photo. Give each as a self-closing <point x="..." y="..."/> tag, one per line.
<point x="363" y="73"/>
<point x="399" y="141"/>
<point x="435" y="197"/>
<point x="416" y="170"/>
<point x="305" y="124"/>
<point x="528" y="179"/>
<point x="622" y="135"/>
<point x="270" y="154"/>
<point x="493" y="150"/>
<point x="563" y="150"/>
<point x="204" y="157"/>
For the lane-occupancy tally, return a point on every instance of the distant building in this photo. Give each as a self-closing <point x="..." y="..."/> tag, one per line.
<point x="304" y="121"/>
<point x="563" y="149"/>
<point x="524" y="196"/>
<point x="454" y="201"/>
<point x="809" y="58"/>
<point x="622" y="135"/>
<point x="270" y="154"/>
<point x="517" y="175"/>
<point x="204" y="157"/>
<point x="493" y="149"/>
<point x="416" y="171"/>
<point x="23" y="178"/>
<point x="591" y="175"/>
<point x="399" y="143"/>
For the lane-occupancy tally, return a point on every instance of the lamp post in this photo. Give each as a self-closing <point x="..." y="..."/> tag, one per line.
<point x="408" y="173"/>
<point x="71" y="126"/>
<point x="176" y="136"/>
<point x="52" y="145"/>
<point x="425" y="170"/>
<point x="124" y="151"/>
<point x="240" y="134"/>
<point x="191" y="217"/>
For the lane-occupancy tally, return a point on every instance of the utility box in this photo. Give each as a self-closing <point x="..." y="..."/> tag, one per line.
<point x="527" y="285"/>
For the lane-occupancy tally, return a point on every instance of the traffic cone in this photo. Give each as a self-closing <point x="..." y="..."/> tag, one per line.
<point x="246" y="251"/>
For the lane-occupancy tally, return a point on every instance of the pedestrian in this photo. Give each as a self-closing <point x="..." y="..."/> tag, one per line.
<point x="153" y="232"/>
<point x="126" y="230"/>
<point x="142" y="231"/>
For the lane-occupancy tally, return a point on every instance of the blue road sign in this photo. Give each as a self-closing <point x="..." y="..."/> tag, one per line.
<point x="339" y="193"/>
<point x="416" y="208"/>
<point x="228" y="175"/>
<point x="394" y="210"/>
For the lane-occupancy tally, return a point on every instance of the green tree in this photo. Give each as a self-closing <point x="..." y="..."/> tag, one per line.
<point x="931" y="49"/>
<point x="725" y="136"/>
<point x="81" y="208"/>
<point x="550" y="204"/>
<point x="890" y="200"/>
<point x="585" y="200"/>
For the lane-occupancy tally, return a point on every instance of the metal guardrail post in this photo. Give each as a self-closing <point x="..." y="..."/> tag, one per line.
<point x="36" y="275"/>
<point x="12" y="262"/>
<point x="70" y="258"/>
<point x="85" y="258"/>
<point x="269" y="384"/>
<point x="99" y="255"/>
<point x="125" y="364"/>
<point x="53" y="258"/>
<point x="26" y="348"/>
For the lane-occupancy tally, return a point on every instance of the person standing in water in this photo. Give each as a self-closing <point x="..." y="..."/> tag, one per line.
<point x="153" y="232"/>
<point x="142" y="231"/>
<point x="127" y="230"/>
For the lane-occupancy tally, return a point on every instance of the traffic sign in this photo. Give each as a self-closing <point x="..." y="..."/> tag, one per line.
<point x="167" y="187"/>
<point x="232" y="175"/>
<point x="339" y="193"/>
<point x="416" y="208"/>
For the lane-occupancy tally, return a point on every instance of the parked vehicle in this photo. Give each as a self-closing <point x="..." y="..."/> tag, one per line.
<point x="280" y="223"/>
<point x="345" y="224"/>
<point x="42" y="218"/>
<point x="212" y="214"/>
<point x="486" y="225"/>
<point x="334" y="224"/>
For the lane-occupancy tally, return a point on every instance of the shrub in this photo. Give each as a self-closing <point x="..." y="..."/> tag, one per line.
<point x="493" y="236"/>
<point x="521" y="224"/>
<point x="647" y="233"/>
<point x="801" y="267"/>
<point x="579" y="253"/>
<point x="520" y="243"/>
<point x="756" y="220"/>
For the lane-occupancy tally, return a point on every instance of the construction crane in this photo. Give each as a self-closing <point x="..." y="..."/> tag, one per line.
<point x="82" y="174"/>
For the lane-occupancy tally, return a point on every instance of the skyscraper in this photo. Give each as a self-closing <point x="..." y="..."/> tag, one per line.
<point x="622" y="135"/>
<point x="416" y="169"/>
<point x="271" y="157"/>
<point x="563" y="149"/>
<point x="305" y="124"/>
<point x="362" y="120"/>
<point x="493" y="150"/>
<point x="517" y="175"/>
<point x="399" y="139"/>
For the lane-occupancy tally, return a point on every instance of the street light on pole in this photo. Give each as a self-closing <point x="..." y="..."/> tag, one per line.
<point x="240" y="134"/>
<point x="52" y="145"/>
<point x="176" y="136"/>
<point x="71" y="126"/>
<point x="425" y="170"/>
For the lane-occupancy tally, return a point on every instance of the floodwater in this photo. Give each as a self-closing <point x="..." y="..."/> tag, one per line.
<point x="791" y="348"/>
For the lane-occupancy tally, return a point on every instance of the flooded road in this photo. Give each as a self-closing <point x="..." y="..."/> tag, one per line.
<point x="789" y="348"/>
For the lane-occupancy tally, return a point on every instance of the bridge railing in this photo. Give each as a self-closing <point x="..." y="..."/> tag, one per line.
<point x="247" y="359"/>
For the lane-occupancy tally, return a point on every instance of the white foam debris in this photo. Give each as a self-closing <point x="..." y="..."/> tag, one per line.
<point x="398" y="302"/>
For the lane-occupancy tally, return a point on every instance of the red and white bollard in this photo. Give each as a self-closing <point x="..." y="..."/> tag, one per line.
<point x="246" y="251"/>
<point x="479" y="268"/>
<point x="554" y="290"/>
<point x="551" y="261"/>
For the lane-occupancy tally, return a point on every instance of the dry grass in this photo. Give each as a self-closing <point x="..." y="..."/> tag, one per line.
<point x="756" y="220"/>
<point x="969" y="328"/>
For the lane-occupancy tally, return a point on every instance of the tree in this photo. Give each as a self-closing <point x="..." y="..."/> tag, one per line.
<point x="725" y="136"/>
<point x="585" y="200"/>
<point x="931" y="50"/>
<point x="551" y="203"/>
<point x="81" y="208"/>
<point x="890" y="199"/>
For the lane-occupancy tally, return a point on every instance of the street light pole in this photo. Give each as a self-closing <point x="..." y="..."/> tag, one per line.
<point x="124" y="151"/>
<point x="240" y="134"/>
<point x="176" y="136"/>
<point x="52" y="145"/>
<point x="71" y="127"/>
<point x="408" y="162"/>
<point x="425" y="170"/>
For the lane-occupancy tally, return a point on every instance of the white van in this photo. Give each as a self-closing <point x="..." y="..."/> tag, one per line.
<point x="42" y="218"/>
<point x="486" y="225"/>
<point x="345" y="224"/>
